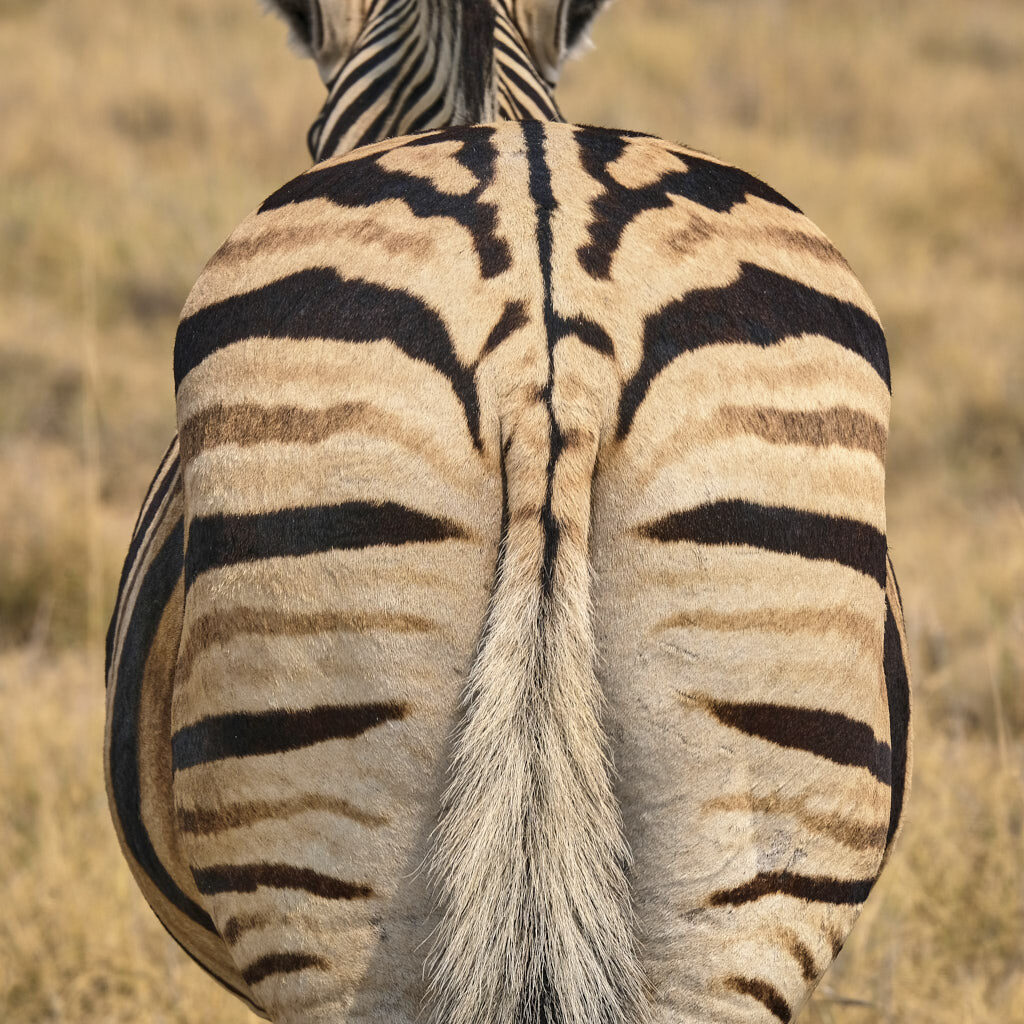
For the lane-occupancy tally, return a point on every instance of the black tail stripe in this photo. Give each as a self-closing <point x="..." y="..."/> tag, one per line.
<point x="814" y="888"/>
<point x="317" y="303"/>
<point x="220" y="540"/>
<point x="827" y="734"/>
<point x="220" y="878"/>
<point x="281" y="963"/>
<point x="545" y="204"/>
<point x="897" y="687"/>
<point x="588" y="331"/>
<point x="248" y="734"/>
<point x="784" y="530"/>
<point x="759" y="308"/>
<point x="154" y="594"/>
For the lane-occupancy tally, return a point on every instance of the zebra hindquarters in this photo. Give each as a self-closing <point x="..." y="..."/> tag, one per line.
<point x="341" y="545"/>
<point x="740" y="559"/>
<point x="142" y="650"/>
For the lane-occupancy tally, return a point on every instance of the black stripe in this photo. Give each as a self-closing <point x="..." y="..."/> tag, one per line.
<point x="714" y="186"/>
<point x="766" y="994"/>
<point x="759" y="308"/>
<point x="254" y="1006"/>
<point x="364" y="69"/>
<point x="154" y="594"/>
<point x="318" y="303"/>
<point x="897" y="688"/>
<point x="221" y="878"/>
<point x="219" y="540"/>
<point x="375" y="29"/>
<point x="827" y="734"/>
<point x="373" y="88"/>
<point x="503" y="465"/>
<point x="313" y="135"/>
<point x="513" y="318"/>
<point x="280" y="963"/>
<point x="147" y="513"/>
<point x="813" y="888"/>
<point x="540" y="998"/>
<point x="544" y="203"/>
<point x="588" y="331"/>
<point x="248" y="734"/>
<point x="507" y="109"/>
<point x="393" y="111"/>
<point x="475" y="60"/>
<point x="426" y="119"/>
<point x="408" y="103"/>
<point x="362" y="182"/>
<point x="540" y="102"/>
<point x="152" y="499"/>
<point x="378" y="127"/>
<point x="788" y="531"/>
<point x="556" y="327"/>
<point x="895" y="582"/>
<point x="155" y="492"/>
<point x="380" y="24"/>
<point x="509" y="40"/>
<point x="147" y="517"/>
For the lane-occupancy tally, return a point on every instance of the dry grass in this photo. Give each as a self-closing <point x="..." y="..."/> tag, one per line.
<point x="137" y="135"/>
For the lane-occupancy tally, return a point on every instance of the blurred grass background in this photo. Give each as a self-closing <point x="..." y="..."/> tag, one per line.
<point x="135" y="136"/>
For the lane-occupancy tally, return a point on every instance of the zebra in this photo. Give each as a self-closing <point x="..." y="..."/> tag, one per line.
<point x="535" y="652"/>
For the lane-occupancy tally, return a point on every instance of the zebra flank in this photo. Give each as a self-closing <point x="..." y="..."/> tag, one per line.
<point x="510" y="635"/>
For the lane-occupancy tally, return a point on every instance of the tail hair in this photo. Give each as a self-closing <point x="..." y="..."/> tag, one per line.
<point x="529" y="864"/>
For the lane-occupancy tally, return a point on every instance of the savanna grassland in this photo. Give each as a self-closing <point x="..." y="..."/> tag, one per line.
<point x="135" y="136"/>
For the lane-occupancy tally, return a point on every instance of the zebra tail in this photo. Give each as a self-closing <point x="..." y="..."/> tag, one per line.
<point x="529" y="864"/>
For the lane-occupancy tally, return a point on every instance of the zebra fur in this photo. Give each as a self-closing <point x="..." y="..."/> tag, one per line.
<point x="560" y="540"/>
<point x="421" y="64"/>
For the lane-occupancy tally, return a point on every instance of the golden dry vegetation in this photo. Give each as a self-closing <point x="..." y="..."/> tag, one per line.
<point x="134" y="137"/>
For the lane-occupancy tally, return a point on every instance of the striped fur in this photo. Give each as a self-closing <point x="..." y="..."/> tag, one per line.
<point x="420" y="64"/>
<point x="146" y="625"/>
<point x="477" y="504"/>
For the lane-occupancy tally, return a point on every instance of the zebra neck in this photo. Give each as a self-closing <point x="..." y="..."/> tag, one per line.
<point x="423" y="64"/>
<point x="523" y="94"/>
<point x="396" y="80"/>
